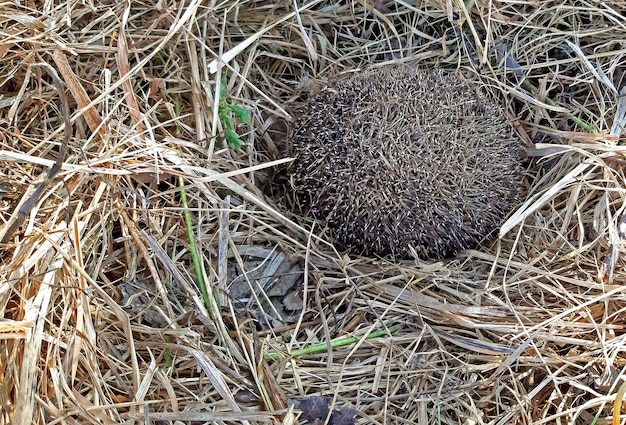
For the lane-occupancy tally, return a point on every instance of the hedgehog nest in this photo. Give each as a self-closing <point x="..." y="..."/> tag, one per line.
<point x="398" y="157"/>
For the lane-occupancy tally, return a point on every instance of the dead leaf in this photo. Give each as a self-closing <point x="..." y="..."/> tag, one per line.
<point x="345" y="416"/>
<point x="313" y="407"/>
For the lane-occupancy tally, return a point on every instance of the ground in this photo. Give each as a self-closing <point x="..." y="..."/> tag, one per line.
<point x="151" y="274"/>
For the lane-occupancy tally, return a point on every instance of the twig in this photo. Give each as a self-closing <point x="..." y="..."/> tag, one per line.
<point x="10" y="228"/>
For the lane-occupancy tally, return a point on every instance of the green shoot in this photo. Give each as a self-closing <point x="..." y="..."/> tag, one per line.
<point x="316" y="348"/>
<point x="225" y="112"/>
<point x="192" y="244"/>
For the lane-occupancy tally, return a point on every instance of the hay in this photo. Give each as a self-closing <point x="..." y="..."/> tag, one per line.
<point x="102" y="318"/>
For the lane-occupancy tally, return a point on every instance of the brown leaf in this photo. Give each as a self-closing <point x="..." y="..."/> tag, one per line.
<point x="313" y="407"/>
<point x="345" y="416"/>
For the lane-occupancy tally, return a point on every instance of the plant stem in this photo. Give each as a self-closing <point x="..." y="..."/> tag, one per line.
<point x="192" y="244"/>
<point x="315" y="348"/>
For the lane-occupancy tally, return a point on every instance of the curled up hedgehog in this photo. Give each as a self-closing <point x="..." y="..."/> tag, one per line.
<point x="398" y="157"/>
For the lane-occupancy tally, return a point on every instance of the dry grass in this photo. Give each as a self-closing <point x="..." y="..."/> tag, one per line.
<point x="102" y="319"/>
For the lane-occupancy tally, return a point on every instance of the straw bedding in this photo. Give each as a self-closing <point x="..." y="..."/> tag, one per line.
<point x="148" y="274"/>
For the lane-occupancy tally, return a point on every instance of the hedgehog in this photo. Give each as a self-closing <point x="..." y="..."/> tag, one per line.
<point x="397" y="159"/>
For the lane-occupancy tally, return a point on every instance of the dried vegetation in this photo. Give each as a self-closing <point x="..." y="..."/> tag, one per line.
<point x="102" y="321"/>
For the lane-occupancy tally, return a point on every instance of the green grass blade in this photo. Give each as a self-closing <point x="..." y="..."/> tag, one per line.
<point x="192" y="244"/>
<point x="316" y="348"/>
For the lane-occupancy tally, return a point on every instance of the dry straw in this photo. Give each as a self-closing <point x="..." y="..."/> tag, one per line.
<point x="102" y="319"/>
